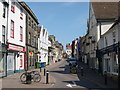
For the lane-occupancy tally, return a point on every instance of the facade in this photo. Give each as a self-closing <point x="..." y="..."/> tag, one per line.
<point x="16" y="38"/>
<point x="3" y="31"/>
<point x="101" y="18"/>
<point x="109" y="50"/>
<point x="43" y="45"/>
<point x="68" y="50"/>
<point x="31" y="37"/>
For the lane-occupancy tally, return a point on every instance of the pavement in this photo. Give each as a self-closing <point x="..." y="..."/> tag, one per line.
<point x="13" y="81"/>
<point x="95" y="78"/>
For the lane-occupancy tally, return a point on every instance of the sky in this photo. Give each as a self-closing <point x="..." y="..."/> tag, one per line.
<point x="65" y="20"/>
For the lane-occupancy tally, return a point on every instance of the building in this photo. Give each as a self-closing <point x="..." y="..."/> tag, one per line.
<point x="31" y="37"/>
<point x="43" y="45"/>
<point x="68" y="50"/>
<point x="16" y="37"/>
<point x="3" y="36"/>
<point x="51" y="48"/>
<point x="101" y="18"/>
<point x="108" y="50"/>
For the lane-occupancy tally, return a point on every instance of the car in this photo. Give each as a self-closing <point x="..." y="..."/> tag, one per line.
<point x="72" y="61"/>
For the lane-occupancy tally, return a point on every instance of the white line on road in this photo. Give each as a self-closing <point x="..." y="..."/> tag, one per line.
<point x="74" y="84"/>
<point x="69" y="85"/>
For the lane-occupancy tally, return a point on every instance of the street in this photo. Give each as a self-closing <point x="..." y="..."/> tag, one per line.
<point x="64" y="79"/>
<point x="59" y="77"/>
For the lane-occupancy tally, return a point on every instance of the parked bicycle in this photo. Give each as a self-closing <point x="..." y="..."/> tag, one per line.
<point x="30" y="76"/>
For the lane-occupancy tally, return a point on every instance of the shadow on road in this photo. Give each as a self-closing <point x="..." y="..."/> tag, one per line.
<point x="63" y="70"/>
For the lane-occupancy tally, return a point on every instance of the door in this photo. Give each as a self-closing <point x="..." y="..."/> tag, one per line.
<point x="10" y="63"/>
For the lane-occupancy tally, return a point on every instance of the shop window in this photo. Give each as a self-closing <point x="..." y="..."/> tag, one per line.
<point x="12" y="29"/>
<point x="21" y="34"/>
<point x="13" y="7"/>
<point x="3" y="33"/>
<point x="21" y="61"/>
<point x="4" y="11"/>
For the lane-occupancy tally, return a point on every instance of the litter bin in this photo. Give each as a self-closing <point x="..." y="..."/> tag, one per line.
<point x="37" y="64"/>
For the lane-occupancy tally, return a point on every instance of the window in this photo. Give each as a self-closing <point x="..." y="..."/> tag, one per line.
<point x="113" y="33"/>
<point x="114" y="41"/>
<point x="21" y="33"/>
<point x="21" y="13"/>
<point x="13" y="7"/>
<point x="4" y="11"/>
<point x="29" y="38"/>
<point x="12" y="29"/>
<point x="21" y="61"/>
<point x="3" y="33"/>
<point x="34" y="27"/>
<point x="29" y="21"/>
<point x="32" y="24"/>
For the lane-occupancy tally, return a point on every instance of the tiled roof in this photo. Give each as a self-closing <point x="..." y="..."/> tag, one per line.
<point x="105" y="10"/>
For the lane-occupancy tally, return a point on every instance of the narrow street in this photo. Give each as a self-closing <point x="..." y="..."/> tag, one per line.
<point x="64" y="79"/>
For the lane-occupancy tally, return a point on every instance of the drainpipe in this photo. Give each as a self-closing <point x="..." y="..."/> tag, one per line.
<point x="6" y="38"/>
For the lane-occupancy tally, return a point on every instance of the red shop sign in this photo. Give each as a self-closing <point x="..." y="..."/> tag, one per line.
<point x="17" y="48"/>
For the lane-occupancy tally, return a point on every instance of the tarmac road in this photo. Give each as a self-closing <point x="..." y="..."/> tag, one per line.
<point x="64" y="79"/>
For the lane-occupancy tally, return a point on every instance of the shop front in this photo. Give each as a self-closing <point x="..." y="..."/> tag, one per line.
<point x="3" y="52"/>
<point x="15" y="59"/>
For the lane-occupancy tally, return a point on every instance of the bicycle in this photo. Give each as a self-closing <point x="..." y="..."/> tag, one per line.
<point x="34" y="76"/>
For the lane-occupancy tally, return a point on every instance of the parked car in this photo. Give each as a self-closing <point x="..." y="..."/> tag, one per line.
<point x="72" y="61"/>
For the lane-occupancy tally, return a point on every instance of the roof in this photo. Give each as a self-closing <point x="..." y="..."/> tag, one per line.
<point x="105" y="10"/>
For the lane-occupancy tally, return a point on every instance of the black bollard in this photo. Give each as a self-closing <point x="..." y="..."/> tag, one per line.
<point x="28" y="78"/>
<point x="44" y="71"/>
<point x="40" y="69"/>
<point x="81" y="71"/>
<point x="47" y="78"/>
<point x="105" y="76"/>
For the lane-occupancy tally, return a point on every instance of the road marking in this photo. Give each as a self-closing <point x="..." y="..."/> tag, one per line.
<point x="74" y="84"/>
<point x="69" y="85"/>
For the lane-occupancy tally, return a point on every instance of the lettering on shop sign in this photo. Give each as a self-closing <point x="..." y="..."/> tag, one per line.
<point x="13" y="47"/>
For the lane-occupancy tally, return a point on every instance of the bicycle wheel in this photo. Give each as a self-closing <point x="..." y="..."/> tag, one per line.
<point x="37" y="78"/>
<point x="23" y="78"/>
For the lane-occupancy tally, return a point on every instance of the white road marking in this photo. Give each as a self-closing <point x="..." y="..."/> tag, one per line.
<point x="74" y="84"/>
<point x="69" y="85"/>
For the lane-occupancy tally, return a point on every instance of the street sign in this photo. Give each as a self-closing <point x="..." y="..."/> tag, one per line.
<point x="30" y="53"/>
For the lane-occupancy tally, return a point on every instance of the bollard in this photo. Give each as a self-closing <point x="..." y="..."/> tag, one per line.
<point x="105" y="75"/>
<point x="81" y="71"/>
<point x="47" y="78"/>
<point x="28" y="78"/>
<point x="40" y="69"/>
<point x="44" y="71"/>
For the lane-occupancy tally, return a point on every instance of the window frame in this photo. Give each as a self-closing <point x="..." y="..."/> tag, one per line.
<point x="12" y="29"/>
<point x="21" y="33"/>
<point x="3" y="33"/>
<point x="13" y="7"/>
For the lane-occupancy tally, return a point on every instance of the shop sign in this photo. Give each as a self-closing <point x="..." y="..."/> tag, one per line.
<point x="30" y="53"/>
<point x="17" y="48"/>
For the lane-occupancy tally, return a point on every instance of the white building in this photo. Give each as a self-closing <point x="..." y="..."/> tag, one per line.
<point x="16" y="37"/>
<point x="109" y="50"/>
<point x="43" y="45"/>
<point x="68" y="50"/>
<point x="3" y="31"/>
<point x="101" y="18"/>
